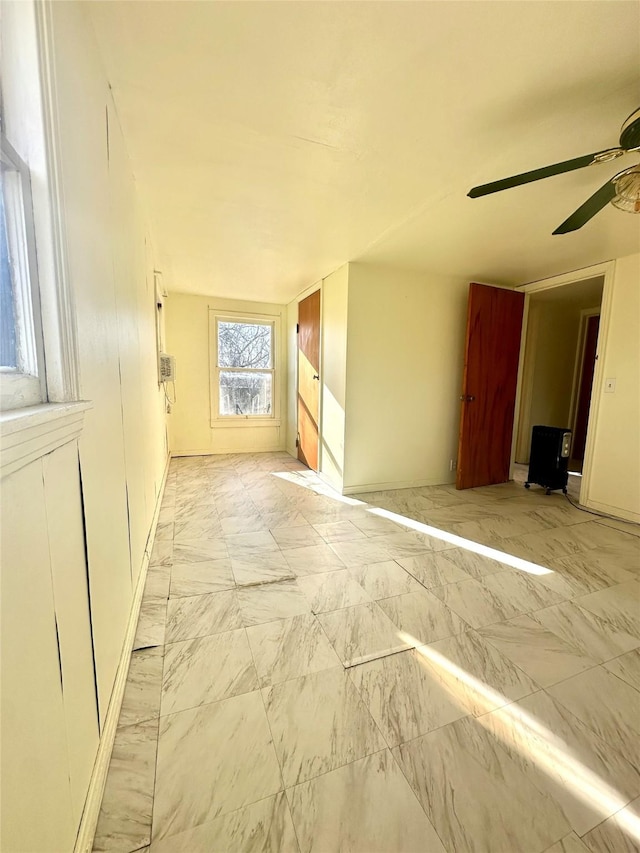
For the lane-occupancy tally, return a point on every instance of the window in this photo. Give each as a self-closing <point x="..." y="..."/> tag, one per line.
<point x="21" y="352"/>
<point x="244" y="368"/>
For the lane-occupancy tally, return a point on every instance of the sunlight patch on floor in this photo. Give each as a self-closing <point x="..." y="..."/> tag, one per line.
<point x="520" y="731"/>
<point x="460" y="542"/>
<point x="308" y="480"/>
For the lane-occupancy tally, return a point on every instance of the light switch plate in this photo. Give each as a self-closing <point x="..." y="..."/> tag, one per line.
<point x="609" y="386"/>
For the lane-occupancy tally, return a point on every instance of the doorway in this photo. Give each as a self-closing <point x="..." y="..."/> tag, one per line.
<point x="558" y="364"/>
<point x="559" y="360"/>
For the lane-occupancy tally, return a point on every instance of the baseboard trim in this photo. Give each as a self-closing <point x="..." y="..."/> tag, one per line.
<point x="91" y="811"/>
<point x="622" y="514"/>
<point x="404" y="484"/>
<point x="222" y="452"/>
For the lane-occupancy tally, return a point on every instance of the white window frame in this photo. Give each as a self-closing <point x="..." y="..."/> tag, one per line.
<point x="47" y="411"/>
<point x="24" y="384"/>
<point x="220" y="420"/>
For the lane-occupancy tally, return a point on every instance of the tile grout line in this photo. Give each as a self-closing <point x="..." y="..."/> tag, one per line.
<point x="610" y="817"/>
<point x="273" y="743"/>
<point x="499" y="746"/>
<point x="157" y="749"/>
<point x="372" y="537"/>
<point x="413" y="791"/>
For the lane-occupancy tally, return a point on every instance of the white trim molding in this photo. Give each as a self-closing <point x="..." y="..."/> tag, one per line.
<point x="244" y="421"/>
<point x="614" y="512"/>
<point x="383" y="487"/>
<point x="607" y="271"/>
<point x="56" y="296"/>
<point x="29" y="433"/>
<point x="221" y="451"/>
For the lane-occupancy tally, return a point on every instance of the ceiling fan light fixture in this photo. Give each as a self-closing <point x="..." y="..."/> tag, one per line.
<point x="627" y="186"/>
<point x="622" y="190"/>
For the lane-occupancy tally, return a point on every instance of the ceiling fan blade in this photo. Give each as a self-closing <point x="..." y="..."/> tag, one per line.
<point x="535" y="175"/>
<point x="586" y="211"/>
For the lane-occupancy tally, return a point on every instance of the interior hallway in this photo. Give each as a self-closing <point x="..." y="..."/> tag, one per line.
<point x="315" y="672"/>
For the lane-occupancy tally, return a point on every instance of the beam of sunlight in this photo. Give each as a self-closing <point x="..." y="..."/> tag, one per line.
<point x="520" y="731"/>
<point x="459" y="542"/>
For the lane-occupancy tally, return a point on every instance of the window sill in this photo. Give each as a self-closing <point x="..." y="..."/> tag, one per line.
<point x="243" y="423"/>
<point x="29" y="433"/>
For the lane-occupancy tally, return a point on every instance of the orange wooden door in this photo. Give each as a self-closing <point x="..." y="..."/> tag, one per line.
<point x="584" y="393"/>
<point x="492" y="349"/>
<point x="308" y="379"/>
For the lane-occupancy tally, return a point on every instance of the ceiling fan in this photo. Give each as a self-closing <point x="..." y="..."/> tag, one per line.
<point x="622" y="190"/>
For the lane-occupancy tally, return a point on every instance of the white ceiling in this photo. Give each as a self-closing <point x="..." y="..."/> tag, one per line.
<point x="274" y="141"/>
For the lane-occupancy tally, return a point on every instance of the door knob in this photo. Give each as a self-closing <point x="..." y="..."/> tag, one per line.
<point x="315" y="376"/>
<point x="467" y="398"/>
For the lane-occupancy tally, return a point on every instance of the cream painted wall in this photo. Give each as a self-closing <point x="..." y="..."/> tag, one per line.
<point x="333" y="375"/>
<point x="403" y="378"/>
<point x="555" y="363"/>
<point x="391" y="361"/>
<point x="386" y="331"/>
<point x="614" y="484"/>
<point x="190" y="425"/>
<point x="551" y="343"/>
<point x="63" y="616"/>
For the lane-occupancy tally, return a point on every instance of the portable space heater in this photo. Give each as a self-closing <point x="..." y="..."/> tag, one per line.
<point x="549" y="460"/>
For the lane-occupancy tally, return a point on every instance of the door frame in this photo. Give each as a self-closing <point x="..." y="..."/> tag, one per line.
<point x="607" y="270"/>
<point x="585" y="315"/>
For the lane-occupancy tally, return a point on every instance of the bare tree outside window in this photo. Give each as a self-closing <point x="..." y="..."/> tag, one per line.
<point x="245" y="362"/>
<point x="8" y="343"/>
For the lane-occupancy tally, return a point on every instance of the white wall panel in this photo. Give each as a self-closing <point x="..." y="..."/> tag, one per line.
<point x="71" y="601"/>
<point x="82" y="100"/>
<point x="37" y="813"/>
<point x="129" y="275"/>
<point x="121" y="446"/>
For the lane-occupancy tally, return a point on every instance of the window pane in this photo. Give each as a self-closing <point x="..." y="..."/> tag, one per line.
<point x="244" y="345"/>
<point x="245" y="393"/>
<point x="7" y="311"/>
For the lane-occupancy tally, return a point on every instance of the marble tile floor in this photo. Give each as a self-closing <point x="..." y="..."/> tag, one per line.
<point x="421" y="670"/>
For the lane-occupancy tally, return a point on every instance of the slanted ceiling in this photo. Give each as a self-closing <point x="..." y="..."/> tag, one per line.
<point x="274" y="141"/>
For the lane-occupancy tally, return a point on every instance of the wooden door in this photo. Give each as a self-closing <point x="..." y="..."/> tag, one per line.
<point x="308" y="379"/>
<point x="492" y="349"/>
<point x="584" y="390"/>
